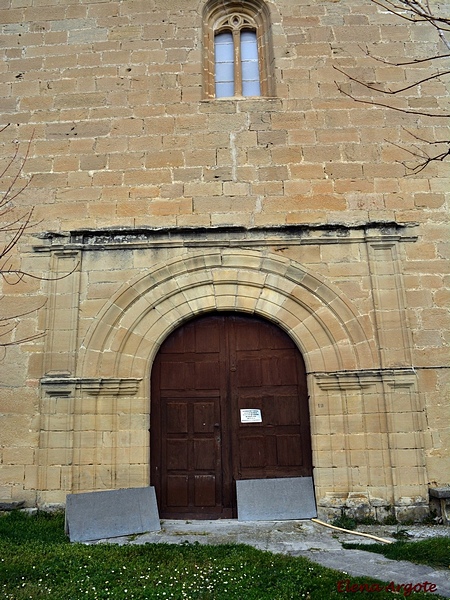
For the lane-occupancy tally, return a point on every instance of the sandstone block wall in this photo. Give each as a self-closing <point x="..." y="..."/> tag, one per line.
<point x="111" y="97"/>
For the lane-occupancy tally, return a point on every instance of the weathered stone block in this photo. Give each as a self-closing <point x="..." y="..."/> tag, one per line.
<point x="99" y="515"/>
<point x="276" y="499"/>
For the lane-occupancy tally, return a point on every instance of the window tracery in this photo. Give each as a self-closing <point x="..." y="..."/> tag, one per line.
<point x="237" y="50"/>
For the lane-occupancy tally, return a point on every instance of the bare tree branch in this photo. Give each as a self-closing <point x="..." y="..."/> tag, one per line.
<point x="421" y="157"/>
<point x="414" y="11"/>
<point x="419" y="13"/>
<point x="12" y="228"/>
<point x="371" y="86"/>
<point x="415" y="61"/>
<point x="390" y="106"/>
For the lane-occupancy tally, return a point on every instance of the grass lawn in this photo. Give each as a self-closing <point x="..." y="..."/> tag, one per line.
<point x="434" y="552"/>
<point x="37" y="561"/>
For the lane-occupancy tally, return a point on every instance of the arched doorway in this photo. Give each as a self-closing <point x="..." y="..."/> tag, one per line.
<point x="229" y="402"/>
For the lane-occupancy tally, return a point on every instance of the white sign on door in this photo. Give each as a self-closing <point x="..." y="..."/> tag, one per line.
<point x="251" y="415"/>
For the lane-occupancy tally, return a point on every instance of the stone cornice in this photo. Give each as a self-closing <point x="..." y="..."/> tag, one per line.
<point x="229" y="236"/>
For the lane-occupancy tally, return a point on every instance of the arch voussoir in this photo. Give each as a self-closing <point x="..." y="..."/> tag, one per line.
<point x="142" y="313"/>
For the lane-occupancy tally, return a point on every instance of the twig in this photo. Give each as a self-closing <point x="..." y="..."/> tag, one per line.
<point x="381" y="104"/>
<point x="368" y="535"/>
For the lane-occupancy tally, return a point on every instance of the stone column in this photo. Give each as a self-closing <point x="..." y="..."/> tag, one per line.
<point x="368" y="443"/>
<point x="389" y="303"/>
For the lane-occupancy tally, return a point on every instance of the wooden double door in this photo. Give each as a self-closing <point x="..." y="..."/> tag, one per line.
<point x="229" y="402"/>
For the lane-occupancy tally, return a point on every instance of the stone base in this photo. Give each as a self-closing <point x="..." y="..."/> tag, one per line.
<point x="8" y="505"/>
<point x="360" y="506"/>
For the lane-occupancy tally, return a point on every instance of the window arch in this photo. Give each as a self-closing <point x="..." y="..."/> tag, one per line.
<point x="238" y="56"/>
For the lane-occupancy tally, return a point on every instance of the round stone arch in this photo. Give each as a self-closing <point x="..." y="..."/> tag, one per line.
<point x="127" y="333"/>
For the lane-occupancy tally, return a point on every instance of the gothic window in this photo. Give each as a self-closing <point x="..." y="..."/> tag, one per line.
<point x="237" y="50"/>
<point x="236" y="64"/>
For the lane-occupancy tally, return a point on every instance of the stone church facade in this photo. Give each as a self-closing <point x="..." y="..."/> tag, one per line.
<point x="161" y="197"/>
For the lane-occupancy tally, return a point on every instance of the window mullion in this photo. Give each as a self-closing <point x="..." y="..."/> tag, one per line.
<point x="237" y="63"/>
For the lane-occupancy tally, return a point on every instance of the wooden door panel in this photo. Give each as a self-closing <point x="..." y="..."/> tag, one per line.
<point x="282" y="410"/>
<point x="207" y="337"/>
<point x="206" y="374"/>
<point x="287" y="369"/>
<point x="248" y="372"/>
<point x="177" y="491"/>
<point x="176" y="455"/>
<point x="271" y="372"/>
<point x="289" y="450"/>
<point x="176" y="417"/>
<point x="246" y="337"/>
<point x="205" y="415"/>
<point x="252" y="452"/>
<point x="173" y="376"/>
<point x="181" y="341"/>
<point x="204" y="455"/>
<point x="279" y="371"/>
<point x="205" y="491"/>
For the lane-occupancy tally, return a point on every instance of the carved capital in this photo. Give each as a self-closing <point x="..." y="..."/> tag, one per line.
<point x="110" y="387"/>
<point x="359" y="380"/>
